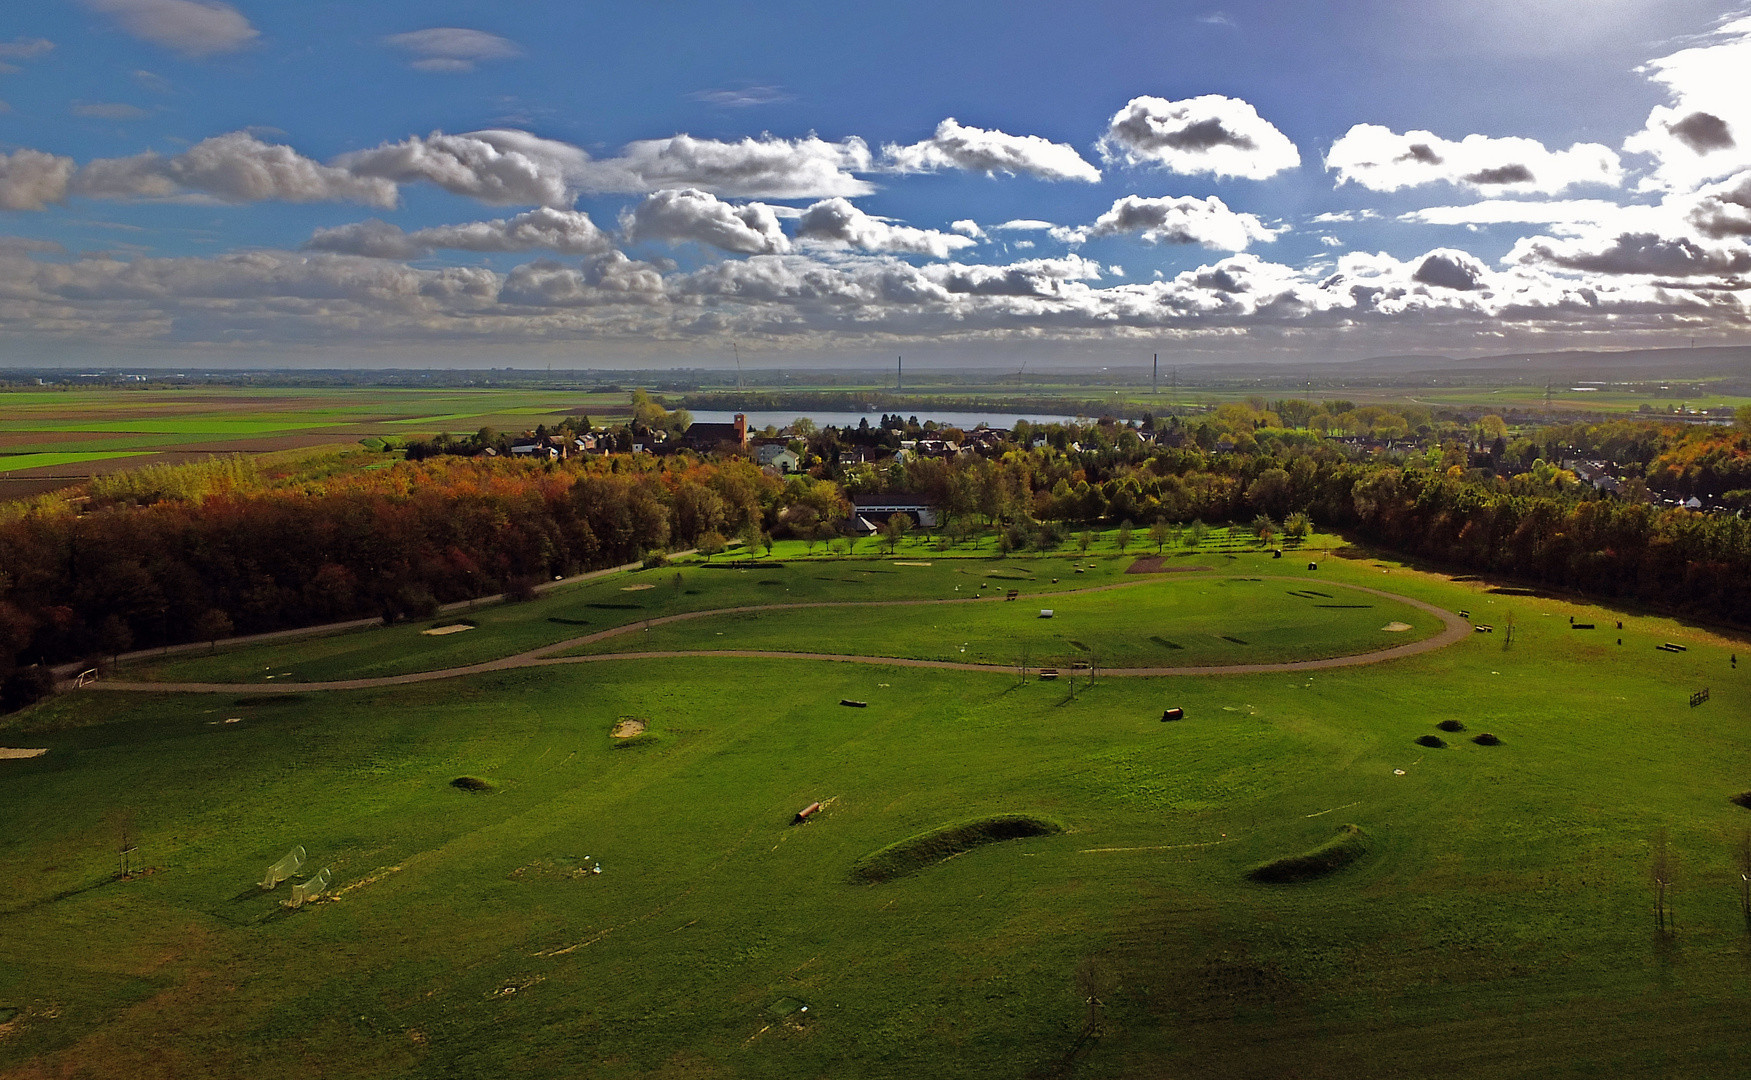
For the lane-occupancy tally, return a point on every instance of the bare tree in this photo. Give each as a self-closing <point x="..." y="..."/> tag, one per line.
<point x="1094" y="984"/>
<point x="1663" y="867"/>
<point x="1745" y="875"/>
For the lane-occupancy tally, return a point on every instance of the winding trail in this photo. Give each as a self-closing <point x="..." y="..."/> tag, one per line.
<point x="1456" y="629"/>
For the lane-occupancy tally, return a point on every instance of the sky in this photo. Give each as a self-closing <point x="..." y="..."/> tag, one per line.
<point x="591" y="184"/>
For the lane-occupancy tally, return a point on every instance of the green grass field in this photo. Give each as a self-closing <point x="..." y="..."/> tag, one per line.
<point x="1155" y="622"/>
<point x="226" y="419"/>
<point x="15" y="462"/>
<point x="1498" y="922"/>
<point x="1237" y="615"/>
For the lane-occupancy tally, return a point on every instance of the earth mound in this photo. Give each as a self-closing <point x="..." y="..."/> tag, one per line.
<point x="920" y="852"/>
<point x="1350" y="844"/>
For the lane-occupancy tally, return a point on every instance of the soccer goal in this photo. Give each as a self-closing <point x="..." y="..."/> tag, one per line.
<point x="285" y="868"/>
<point x="304" y="893"/>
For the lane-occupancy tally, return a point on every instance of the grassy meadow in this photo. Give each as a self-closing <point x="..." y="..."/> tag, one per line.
<point x="1498" y="921"/>
<point x="67" y="432"/>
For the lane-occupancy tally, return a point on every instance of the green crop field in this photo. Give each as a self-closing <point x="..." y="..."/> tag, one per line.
<point x="15" y="462"/>
<point x="1038" y="843"/>
<point x="55" y="430"/>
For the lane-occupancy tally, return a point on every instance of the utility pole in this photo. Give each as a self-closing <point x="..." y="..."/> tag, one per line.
<point x="1155" y="377"/>
<point x="899" y="374"/>
<point x="738" y="349"/>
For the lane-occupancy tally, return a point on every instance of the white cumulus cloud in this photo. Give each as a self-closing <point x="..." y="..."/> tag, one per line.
<point x="506" y="166"/>
<point x="1222" y="136"/>
<point x="237" y="168"/>
<point x="568" y="232"/>
<point x="191" y="27"/>
<point x="1381" y="159"/>
<point x="452" y="48"/>
<point x="1724" y="209"/>
<point x="1640" y="253"/>
<point x="763" y="168"/>
<point x="499" y="167"/>
<point x="31" y="179"/>
<point x="956" y="146"/>
<point x="838" y="222"/>
<point x="1705" y="133"/>
<point x="1184" y="220"/>
<point x="688" y="214"/>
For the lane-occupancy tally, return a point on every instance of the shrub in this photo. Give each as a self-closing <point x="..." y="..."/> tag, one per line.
<point x="1350" y="844"/>
<point x="916" y="853"/>
<point x="26" y="686"/>
<point x="472" y="783"/>
<point x="1433" y="742"/>
<point x="1486" y="739"/>
<point x="1451" y="725"/>
<point x="1743" y="799"/>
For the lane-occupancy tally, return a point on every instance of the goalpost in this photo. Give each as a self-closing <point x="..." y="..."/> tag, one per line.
<point x="309" y="890"/>
<point x="284" y="869"/>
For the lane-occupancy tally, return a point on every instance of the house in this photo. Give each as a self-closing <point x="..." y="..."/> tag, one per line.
<point x="872" y="506"/>
<point x="779" y="456"/>
<point x="1596" y="473"/>
<point x="535" y="448"/>
<point x="864" y="455"/>
<point x="702" y="436"/>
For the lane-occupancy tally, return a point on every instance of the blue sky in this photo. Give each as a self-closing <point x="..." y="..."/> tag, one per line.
<point x="488" y="184"/>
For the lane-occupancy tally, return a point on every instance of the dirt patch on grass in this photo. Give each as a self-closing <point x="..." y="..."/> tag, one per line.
<point x="1157" y="564"/>
<point x="8" y="753"/>
<point x="637" y="588"/>
<point x="1743" y="799"/>
<point x="628" y="726"/>
<point x="1396" y="627"/>
<point x="444" y="631"/>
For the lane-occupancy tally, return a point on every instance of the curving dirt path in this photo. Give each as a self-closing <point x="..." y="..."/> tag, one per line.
<point x="1456" y="629"/>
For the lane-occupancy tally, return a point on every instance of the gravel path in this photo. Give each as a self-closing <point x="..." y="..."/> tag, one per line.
<point x="1456" y="629"/>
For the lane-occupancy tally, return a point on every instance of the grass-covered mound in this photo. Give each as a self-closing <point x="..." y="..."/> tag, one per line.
<point x="1743" y="799"/>
<point x="472" y="783"/>
<point x="1350" y="844"/>
<point x="1433" y="742"/>
<point x="916" y="853"/>
<point x="1451" y="725"/>
<point x="1486" y="739"/>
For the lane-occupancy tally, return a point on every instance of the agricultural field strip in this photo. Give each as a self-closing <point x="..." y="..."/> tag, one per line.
<point x="1456" y="630"/>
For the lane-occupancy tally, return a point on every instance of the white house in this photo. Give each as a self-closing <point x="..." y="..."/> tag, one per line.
<point x="779" y="456"/>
